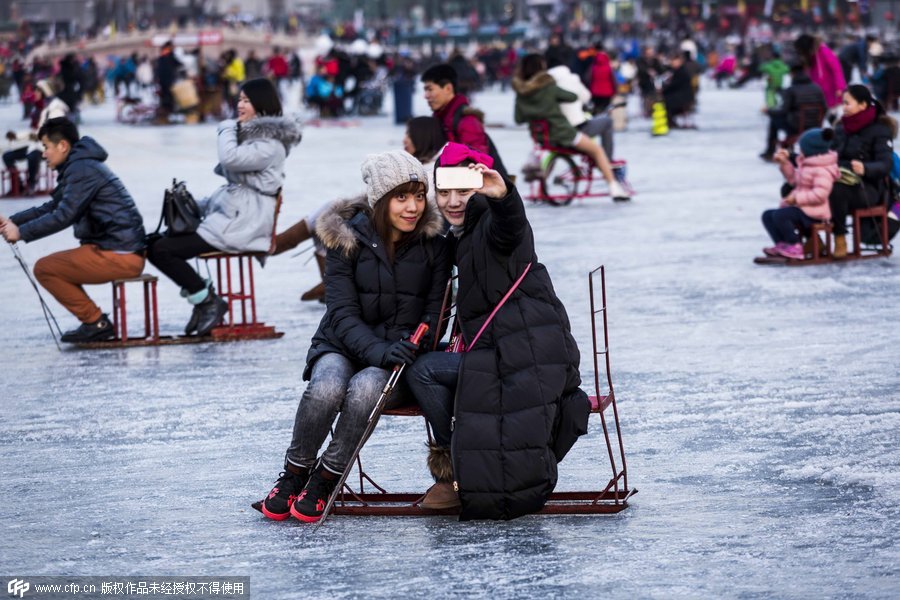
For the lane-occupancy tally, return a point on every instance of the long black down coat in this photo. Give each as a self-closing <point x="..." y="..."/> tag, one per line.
<point x="518" y="391"/>
<point x="372" y="303"/>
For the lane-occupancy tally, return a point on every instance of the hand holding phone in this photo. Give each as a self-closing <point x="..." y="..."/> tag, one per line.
<point x="458" y="178"/>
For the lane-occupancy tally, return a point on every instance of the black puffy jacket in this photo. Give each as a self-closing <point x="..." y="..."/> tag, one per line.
<point x="507" y="411"/>
<point x="874" y="147"/>
<point x="372" y="303"/>
<point x="803" y="100"/>
<point x="89" y="196"/>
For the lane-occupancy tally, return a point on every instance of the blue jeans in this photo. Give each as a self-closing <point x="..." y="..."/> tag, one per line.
<point x="783" y="224"/>
<point x="336" y="385"/>
<point x="432" y="380"/>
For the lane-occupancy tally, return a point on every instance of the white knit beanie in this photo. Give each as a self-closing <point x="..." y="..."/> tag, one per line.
<point x="383" y="172"/>
<point x="46" y="87"/>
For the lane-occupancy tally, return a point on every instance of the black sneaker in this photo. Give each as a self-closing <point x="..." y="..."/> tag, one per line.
<point x="310" y="504"/>
<point x="290" y="482"/>
<point x="210" y="312"/>
<point x="100" y="330"/>
<point x="191" y="326"/>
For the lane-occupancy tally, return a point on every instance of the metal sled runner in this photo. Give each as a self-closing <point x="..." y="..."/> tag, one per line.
<point x="611" y="496"/>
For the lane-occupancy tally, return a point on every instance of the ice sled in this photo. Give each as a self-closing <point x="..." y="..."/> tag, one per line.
<point x="558" y="175"/>
<point x="11" y="182"/>
<point x="821" y="238"/>
<point x="234" y="282"/>
<point x="608" y="464"/>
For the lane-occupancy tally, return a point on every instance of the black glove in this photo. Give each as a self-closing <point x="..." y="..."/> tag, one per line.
<point x="402" y="352"/>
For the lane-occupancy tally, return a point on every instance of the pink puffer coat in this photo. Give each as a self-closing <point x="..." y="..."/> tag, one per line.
<point x="813" y="180"/>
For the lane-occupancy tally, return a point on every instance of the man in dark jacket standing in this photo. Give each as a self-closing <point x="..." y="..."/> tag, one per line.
<point x="167" y="67"/>
<point x="107" y="223"/>
<point x="678" y="91"/>
<point x="803" y="107"/>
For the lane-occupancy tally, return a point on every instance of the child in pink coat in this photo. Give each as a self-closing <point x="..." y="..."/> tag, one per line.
<point x="807" y="203"/>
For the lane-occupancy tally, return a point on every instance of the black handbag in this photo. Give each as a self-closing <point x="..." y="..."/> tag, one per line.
<point x="180" y="212"/>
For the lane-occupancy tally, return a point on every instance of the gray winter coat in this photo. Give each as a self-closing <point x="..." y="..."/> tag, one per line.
<point x="239" y="216"/>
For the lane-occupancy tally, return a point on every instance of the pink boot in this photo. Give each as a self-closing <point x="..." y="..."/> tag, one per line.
<point x="793" y="251"/>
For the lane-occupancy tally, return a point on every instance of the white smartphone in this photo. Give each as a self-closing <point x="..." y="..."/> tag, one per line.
<point x="458" y="178"/>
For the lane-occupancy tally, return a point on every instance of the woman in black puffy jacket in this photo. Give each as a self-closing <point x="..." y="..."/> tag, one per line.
<point x="863" y="143"/>
<point x="385" y="272"/>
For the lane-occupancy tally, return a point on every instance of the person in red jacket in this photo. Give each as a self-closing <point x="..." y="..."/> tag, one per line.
<point x="277" y="68"/>
<point x="467" y="127"/>
<point x="603" y="80"/>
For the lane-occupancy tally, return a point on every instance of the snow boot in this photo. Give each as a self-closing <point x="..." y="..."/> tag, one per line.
<point x="100" y="330"/>
<point x="441" y="495"/>
<point x="310" y="504"/>
<point x="840" y="246"/>
<point x="317" y="292"/>
<point x="290" y="482"/>
<point x="292" y="237"/>
<point x="808" y="247"/>
<point x="773" y="250"/>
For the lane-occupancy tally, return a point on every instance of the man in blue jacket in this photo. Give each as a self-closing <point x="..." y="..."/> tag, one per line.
<point x="106" y="222"/>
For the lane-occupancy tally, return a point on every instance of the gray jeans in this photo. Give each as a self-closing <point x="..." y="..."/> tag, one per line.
<point x="601" y="126"/>
<point x="336" y="385"/>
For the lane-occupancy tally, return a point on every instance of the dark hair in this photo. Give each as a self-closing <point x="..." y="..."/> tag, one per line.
<point x="263" y="96"/>
<point x="383" y="222"/>
<point x="441" y="74"/>
<point x="553" y="60"/>
<point x="805" y="45"/>
<point x="531" y="65"/>
<point x="860" y="93"/>
<point x="427" y="136"/>
<point x="58" y="129"/>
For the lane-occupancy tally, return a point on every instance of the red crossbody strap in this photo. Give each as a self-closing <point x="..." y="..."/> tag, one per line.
<point x="496" y="308"/>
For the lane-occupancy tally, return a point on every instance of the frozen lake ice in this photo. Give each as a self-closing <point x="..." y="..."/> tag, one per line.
<point x="760" y="406"/>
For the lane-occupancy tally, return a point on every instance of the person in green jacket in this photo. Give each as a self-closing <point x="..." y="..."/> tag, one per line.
<point x="538" y="98"/>
<point x="774" y="69"/>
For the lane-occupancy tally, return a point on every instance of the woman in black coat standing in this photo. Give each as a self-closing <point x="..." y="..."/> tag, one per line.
<point x="385" y="272"/>
<point x="500" y="410"/>
<point x="865" y="153"/>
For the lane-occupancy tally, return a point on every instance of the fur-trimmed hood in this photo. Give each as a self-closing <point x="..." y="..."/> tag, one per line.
<point x="286" y="130"/>
<point x="526" y="87"/>
<point x="334" y="229"/>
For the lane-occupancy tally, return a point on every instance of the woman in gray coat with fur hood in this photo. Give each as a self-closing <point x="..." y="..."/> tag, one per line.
<point x="239" y="216"/>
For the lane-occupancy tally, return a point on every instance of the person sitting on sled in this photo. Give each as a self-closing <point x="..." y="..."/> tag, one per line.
<point x="386" y="271"/>
<point x="506" y="411"/>
<point x="107" y="223"/>
<point x="239" y="216"/>
<point x="807" y="203"/>
<point x="538" y="98"/>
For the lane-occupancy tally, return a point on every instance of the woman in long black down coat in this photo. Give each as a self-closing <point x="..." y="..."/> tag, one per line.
<point x="505" y="412"/>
